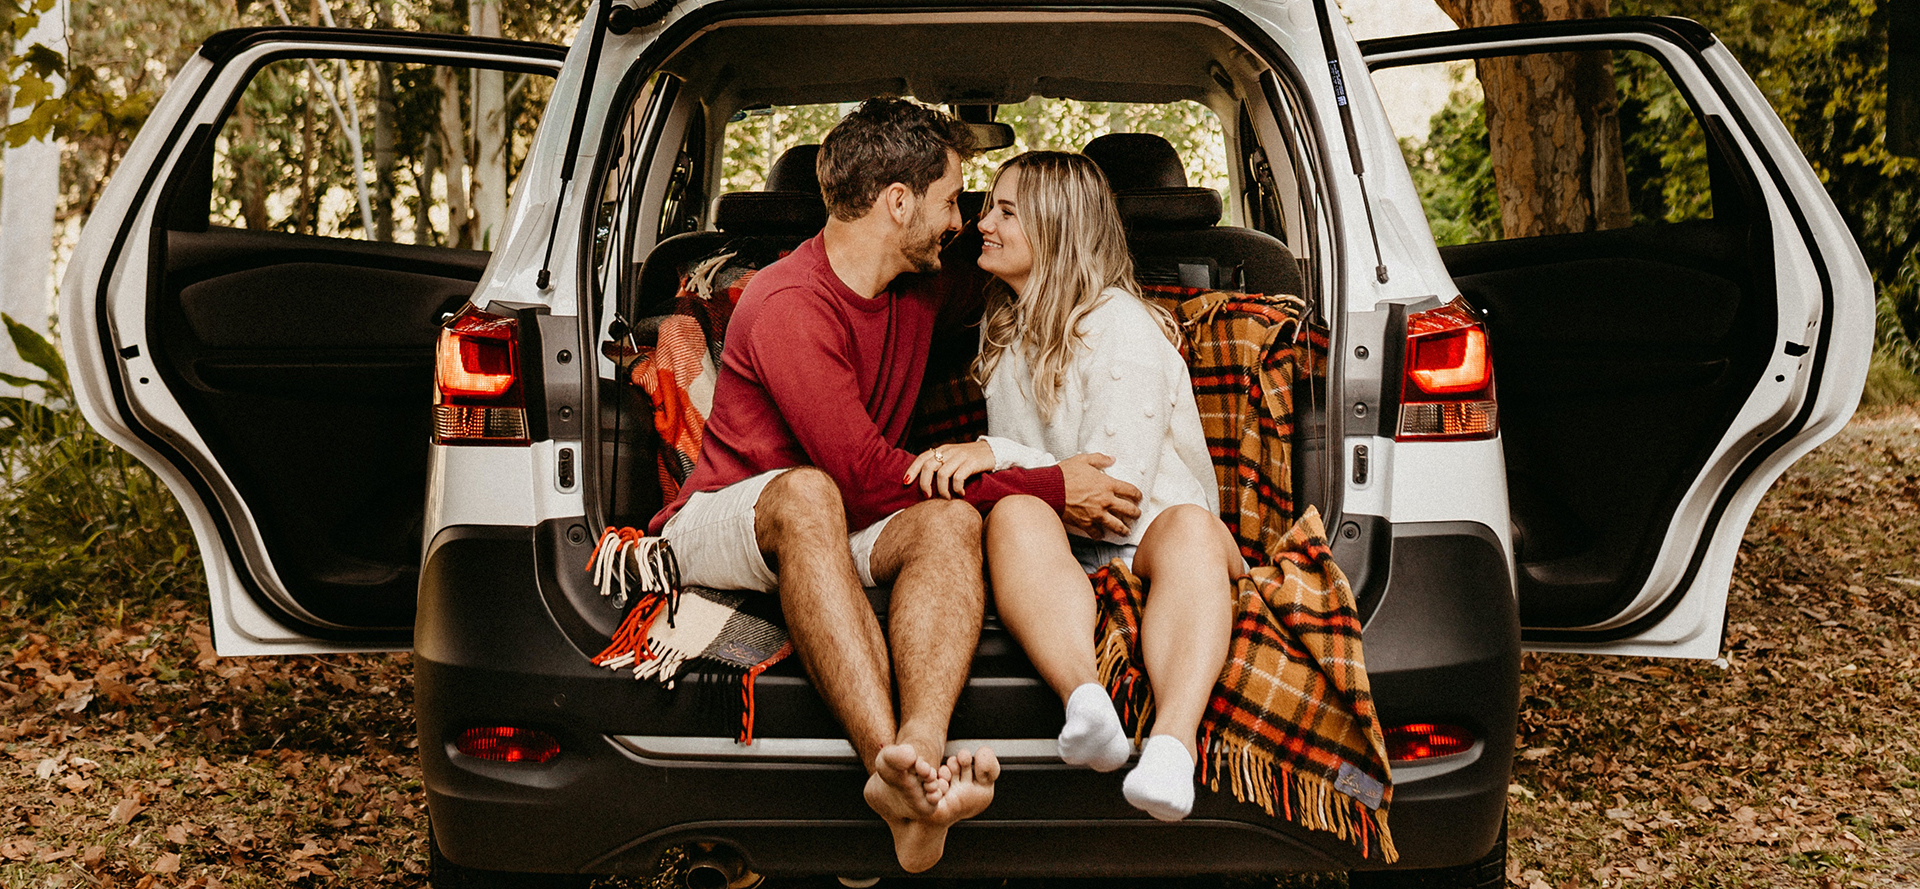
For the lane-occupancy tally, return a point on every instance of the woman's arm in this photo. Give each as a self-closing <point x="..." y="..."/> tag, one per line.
<point x="1010" y="454"/>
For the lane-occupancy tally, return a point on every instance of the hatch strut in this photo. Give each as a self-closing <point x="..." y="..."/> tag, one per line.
<point x="619" y="20"/>
<point x="1346" y="125"/>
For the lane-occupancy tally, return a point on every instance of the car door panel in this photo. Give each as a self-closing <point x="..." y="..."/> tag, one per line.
<point x="1654" y="380"/>
<point x="279" y="382"/>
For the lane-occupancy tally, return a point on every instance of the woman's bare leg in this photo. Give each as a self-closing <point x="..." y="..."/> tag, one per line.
<point x="1042" y="596"/>
<point x="1189" y="561"/>
<point x="1040" y="591"/>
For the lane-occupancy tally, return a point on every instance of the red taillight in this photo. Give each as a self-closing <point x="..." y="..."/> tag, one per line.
<point x="1446" y="392"/>
<point x="1426" y="741"/>
<point x="477" y="394"/>
<point x="502" y="743"/>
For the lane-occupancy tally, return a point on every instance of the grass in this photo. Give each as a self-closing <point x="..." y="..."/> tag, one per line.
<point x="1889" y="383"/>
<point x="132" y="756"/>
<point x="82" y="523"/>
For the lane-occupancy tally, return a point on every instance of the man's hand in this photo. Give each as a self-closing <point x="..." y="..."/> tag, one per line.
<point x="1097" y="503"/>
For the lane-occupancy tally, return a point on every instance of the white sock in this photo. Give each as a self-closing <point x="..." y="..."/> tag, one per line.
<point x="1093" y="736"/>
<point x="1162" y="784"/>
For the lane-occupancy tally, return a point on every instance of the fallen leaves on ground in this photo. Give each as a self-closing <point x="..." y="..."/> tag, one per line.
<point x="1794" y="760"/>
<point x="133" y="756"/>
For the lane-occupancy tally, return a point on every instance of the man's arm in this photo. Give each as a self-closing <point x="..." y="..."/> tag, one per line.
<point x="806" y="370"/>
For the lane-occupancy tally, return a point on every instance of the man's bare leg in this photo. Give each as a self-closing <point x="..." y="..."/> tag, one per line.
<point x="800" y="523"/>
<point x="931" y="553"/>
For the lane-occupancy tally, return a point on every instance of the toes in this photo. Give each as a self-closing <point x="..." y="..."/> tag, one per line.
<point x="986" y="766"/>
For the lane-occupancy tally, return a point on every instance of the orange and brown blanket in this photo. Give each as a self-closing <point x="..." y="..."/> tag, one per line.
<point x="1291" y="726"/>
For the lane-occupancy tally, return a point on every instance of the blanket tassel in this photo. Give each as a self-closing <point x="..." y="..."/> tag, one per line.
<point x="1309" y="801"/>
<point x="624" y="560"/>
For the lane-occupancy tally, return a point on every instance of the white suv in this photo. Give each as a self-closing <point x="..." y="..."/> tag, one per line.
<point x="1654" y="379"/>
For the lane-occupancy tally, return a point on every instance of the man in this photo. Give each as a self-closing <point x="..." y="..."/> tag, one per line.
<point x="800" y="485"/>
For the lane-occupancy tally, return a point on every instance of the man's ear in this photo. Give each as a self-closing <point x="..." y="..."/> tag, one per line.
<point x="897" y="200"/>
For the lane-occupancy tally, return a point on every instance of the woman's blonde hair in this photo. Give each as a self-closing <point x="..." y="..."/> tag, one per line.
<point x="1066" y="210"/>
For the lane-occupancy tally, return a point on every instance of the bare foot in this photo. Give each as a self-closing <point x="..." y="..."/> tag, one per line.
<point x="920" y="842"/>
<point x="904" y="786"/>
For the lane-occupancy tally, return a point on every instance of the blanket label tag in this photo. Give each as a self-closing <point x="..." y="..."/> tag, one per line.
<point x="1359" y="785"/>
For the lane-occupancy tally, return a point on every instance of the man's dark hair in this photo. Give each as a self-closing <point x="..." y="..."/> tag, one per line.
<point x="882" y="142"/>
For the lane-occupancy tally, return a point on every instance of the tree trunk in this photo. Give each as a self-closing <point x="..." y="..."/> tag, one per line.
<point x="1553" y="123"/>
<point x="423" y="197"/>
<point x="453" y="159"/>
<point x="249" y="177"/>
<point x="489" y="133"/>
<point x="384" y="109"/>
<point x="309" y="211"/>
<point x="28" y="199"/>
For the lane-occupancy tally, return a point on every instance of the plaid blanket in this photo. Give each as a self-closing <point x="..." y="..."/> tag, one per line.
<point x="1240" y="356"/>
<point x="1291" y="726"/>
<point x="679" y="370"/>
<point x="727" y="636"/>
<point x="712" y="632"/>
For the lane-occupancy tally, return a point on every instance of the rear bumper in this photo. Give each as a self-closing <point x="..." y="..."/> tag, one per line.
<point x="642" y="770"/>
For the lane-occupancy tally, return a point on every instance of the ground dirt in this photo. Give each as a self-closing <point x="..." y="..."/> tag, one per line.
<point x="132" y="756"/>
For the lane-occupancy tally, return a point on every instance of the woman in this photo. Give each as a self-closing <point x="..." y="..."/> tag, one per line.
<point x="1074" y="361"/>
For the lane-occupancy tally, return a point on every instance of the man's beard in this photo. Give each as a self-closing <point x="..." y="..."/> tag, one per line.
<point x="922" y="247"/>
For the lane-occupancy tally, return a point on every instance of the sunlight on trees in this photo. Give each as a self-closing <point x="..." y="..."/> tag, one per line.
<point x="757" y="137"/>
<point x="1822" y="64"/>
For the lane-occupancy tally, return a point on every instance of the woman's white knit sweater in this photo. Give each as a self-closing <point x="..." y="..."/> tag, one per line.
<point x="1126" y="395"/>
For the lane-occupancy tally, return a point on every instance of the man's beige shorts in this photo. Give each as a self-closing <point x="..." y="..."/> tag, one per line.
<point x="714" y="541"/>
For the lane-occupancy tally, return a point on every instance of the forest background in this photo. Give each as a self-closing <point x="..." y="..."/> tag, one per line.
<point x="1822" y="64"/>
<point x="144" y="759"/>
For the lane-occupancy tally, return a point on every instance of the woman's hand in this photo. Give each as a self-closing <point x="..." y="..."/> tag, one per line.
<point x="943" y="471"/>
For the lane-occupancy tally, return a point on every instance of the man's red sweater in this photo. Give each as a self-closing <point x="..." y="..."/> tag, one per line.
<point x="814" y="374"/>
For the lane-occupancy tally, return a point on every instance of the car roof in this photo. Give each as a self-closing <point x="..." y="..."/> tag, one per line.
<point x="959" y="59"/>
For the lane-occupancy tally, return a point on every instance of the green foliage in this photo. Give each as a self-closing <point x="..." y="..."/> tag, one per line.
<point x="1890" y="381"/>
<point x="1664" y="148"/>
<point x="1068" y="125"/>
<point x="1453" y="172"/>
<point x="1823" y="66"/>
<point x="27" y="75"/>
<point x="80" y="520"/>
<point x="756" y="137"/>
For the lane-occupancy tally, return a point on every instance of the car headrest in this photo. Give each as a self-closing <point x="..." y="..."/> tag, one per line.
<point x="971" y="204"/>
<point x="1137" y="160"/>
<point x="1168" y="208"/>
<point x="769" y="213"/>
<point x="794" y="170"/>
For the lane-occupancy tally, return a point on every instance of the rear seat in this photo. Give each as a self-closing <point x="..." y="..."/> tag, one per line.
<point x="787" y="211"/>
<point x="1172" y="227"/>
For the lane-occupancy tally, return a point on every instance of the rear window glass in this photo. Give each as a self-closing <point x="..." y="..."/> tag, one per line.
<point x="756" y="137"/>
<point x="1663" y="174"/>
<point x="381" y="151"/>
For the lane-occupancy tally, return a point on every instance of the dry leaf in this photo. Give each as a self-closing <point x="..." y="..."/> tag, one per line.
<point x="125" y="811"/>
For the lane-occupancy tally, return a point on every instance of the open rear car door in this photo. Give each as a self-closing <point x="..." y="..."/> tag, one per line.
<point x="1657" y="375"/>
<point x="253" y="307"/>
